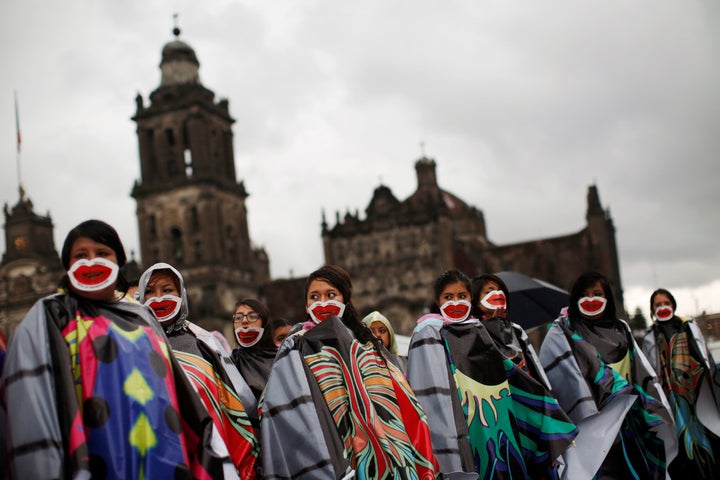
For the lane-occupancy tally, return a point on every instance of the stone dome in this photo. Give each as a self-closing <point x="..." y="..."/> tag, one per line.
<point x="179" y="64"/>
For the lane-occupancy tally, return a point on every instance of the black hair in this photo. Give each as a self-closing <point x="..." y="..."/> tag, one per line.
<point x="664" y="292"/>
<point x="266" y="341"/>
<point x="585" y="281"/>
<point x="100" y="232"/>
<point x="448" y="277"/>
<point x="478" y="283"/>
<point x="280" y="322"/>
<point x="340" y="279"/>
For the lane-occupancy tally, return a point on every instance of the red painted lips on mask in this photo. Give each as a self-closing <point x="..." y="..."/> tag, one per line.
<point x="247" y="337"/>
<point x="497" y="300"/>
<point x="92" y="274"/>
<point x="324" y="312"/>
<point x="163" y="307"/>
<point x="664" y="313"/>
<point x="592" y="305"/>
<point x="456" y="311"/>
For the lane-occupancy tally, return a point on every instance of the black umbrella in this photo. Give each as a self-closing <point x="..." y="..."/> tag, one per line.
<point x="532" y="302"/>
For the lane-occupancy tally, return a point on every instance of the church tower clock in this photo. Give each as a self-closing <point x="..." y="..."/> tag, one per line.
<point x="190" y="207"/>
<point x="30" y="267"/>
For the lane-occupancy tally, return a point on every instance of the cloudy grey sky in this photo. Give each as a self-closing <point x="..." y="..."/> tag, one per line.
<point x="523" y="105"/>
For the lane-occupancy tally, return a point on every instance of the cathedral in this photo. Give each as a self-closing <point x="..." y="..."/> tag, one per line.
<point x="191" y="213"/>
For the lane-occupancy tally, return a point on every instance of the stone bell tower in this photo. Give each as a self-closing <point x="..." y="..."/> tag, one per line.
<point x="190" y="207"/>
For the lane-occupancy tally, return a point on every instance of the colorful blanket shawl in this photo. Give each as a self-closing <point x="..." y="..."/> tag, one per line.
<point x="608" y="407"/>
<point x="93" y="389"/>
<point x="687" y="374"/>
<point x="485" y="413"/>
<point x="205" y="369"/>
<point x="349" y="410"/>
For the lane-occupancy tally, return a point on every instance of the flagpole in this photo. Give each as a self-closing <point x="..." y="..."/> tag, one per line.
<point x="19" y="143"/>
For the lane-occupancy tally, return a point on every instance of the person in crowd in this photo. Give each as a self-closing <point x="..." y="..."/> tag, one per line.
<point x="256" y="351"/>
<point x="380" y="326"/>
<point x="606" y="385"/>
<point x="222" y="390"/>
<point x="488" y="417"/>
<point x="676" y="349"/>
<point x="332" y="392"/>
<point x="490" y="304"/>
<point x="91" y="386"/>
<point x="280" y="330"/>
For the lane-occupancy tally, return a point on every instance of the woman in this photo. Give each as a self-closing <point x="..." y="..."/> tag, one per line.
<point x="280" y="328"/>
<point x="221" y="389"/>
<point x="486" y="413"/>
<point x="606" y="385"/>
<point x="490" y="300"/>
<point x="332" y="391"/>
<point x="256" y="351"/>
<point x="92" y="387"/>
<point x="380" y="326"/>
<point x="676" y="350"/>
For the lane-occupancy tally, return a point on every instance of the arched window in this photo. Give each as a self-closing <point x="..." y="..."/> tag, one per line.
<point x="178" y="252"/>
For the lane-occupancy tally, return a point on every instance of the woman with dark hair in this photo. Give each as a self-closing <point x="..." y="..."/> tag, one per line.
<point x="606" y="385"/>
<point x="490" y="298"/>
<point x="280" y="328"/>
<point x="488" y="416"/>
<point x="91" y="387"/>
<point x="491" y="304"/>
<point x="676" y="349"/>
<point x="256" y="350"/>
<point x="332" y="392"/>
<point x="223" y="392"/>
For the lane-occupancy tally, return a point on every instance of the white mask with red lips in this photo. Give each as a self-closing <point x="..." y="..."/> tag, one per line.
<point x="455" y="311"/>
<point x="664" y="313"/>
<point x="247" y="337"/>
<point x="320" y="311"/>
<point x="165" y="307"/>
<point x="93" y="275"/>
<point x="592" y="306"/>
<point x="494" y="300"/>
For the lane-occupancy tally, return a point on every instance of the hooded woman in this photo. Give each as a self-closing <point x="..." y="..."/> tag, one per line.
<point x="255" y="353"/>
<point x="92" y="388"/>
<point x="606" y="385"/>
<point x="222" y="390"/>
<point x="676" y="349"/>
<point x="332" y="391"/>
<point x="380" y="326"/>
<point x="489" y="418"/>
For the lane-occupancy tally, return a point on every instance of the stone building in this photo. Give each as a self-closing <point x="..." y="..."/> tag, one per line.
<point x="190" y="207"/>
<point x="30" y="268"/>
<point x="397" y="251"/>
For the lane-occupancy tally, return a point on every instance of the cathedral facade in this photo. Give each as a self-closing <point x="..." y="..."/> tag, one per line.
<point x="395" y="253"/>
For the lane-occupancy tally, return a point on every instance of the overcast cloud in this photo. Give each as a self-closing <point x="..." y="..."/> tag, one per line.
<point x="523" y="105"/>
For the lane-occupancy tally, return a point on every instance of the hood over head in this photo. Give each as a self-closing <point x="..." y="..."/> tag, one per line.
<point x="143" y="283"/>
<point x="379" y="317"/>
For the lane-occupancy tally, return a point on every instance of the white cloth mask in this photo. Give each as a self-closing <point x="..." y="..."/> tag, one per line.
<point x="664" y="313"/>
<point x="320" y="311"/>
<point x="592" y="306"/>
<point x="455" y="311"/>
<point x="249" y="336"/>
<point x="494" y="300"/>
<point x="165" y="307"/>
<point x="93" y="275"/>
